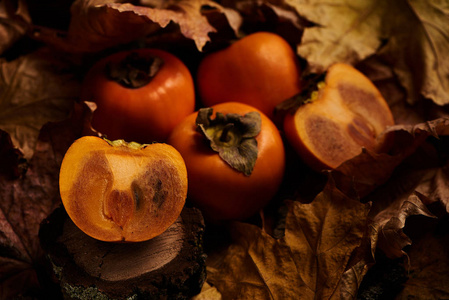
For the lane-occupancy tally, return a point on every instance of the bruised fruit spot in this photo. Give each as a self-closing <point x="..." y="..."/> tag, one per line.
<point x="327" y="138"/>
<point x="119" y="207"/>
<point x="362" y="132"/>
<point x="157" y="183"/>
<point x="159" y="194"/>
<point x="137" y="194"/>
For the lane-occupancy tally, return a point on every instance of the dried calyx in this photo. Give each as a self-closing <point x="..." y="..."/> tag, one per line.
<point x="312" y="85"/>
<point x="232" y="136"/>
<point x="134" y="71"/>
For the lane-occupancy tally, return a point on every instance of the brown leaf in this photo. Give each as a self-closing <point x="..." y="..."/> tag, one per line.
<point x="435" y="186"/>
<point x="309" y="262"/>
<point x="428" y="260"/>
<point x="346" y="31"/>
<point x="26" y="201"/>
<point x="100" y="24"/>
<point x="14" y="22"/>
<point x="410" y="35"/>
<point x="390" y="221"/>
<point x="365" y="172"/>
<point x="35" y="89"/>
<point x="400" y="185"/>
<point x="417" y="46"/>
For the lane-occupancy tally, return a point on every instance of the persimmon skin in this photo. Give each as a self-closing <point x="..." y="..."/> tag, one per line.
<point x="221" y="192"/>
<point x="260" y="70"/>
<point x="348" y="114"/>
<point x="120" y="194"/>
<point x="145" y="114"/>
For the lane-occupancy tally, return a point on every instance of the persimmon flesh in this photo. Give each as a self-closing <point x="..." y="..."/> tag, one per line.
<point x="348" y="114"/>
<point x="122" y="192"/>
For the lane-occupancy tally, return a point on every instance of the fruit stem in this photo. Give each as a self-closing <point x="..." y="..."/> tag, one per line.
<point x="224" y="136"/>
<point x="134" y="71"/>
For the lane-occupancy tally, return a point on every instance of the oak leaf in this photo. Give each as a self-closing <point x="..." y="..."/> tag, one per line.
<point x="309" y="262"/>
<point x="35" y="89"/>
<point x="26" y="201"/>
<point x="100" y="24"/>
<point x="415" y="184"/>
<point x="410" y="35"/>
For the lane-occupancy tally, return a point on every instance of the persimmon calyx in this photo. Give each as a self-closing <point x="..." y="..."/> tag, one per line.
<point x="123" y="143"/>
<point x="232" y="136"/>
<point x="134" y="71"/>
<point x="313" y="84"/>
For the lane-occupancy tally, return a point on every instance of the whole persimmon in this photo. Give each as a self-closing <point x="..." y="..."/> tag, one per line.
<point x="346" y="114"/>
<point x="235" y="159"/>
<point x="141" y="94"/>
<point x="116" y="191"/>
<point x="260" y="70"/>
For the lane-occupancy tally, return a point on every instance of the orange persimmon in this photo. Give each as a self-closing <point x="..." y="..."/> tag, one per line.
<point x="235" y="159"/>
<point x="260" y="70"/>
<point x="141" y="94"/>
<point x="122" y="192"/>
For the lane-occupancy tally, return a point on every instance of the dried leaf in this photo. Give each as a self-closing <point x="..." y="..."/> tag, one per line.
<point x="391" y="220"/>
<point x="410" y="35"/>
<point x="25" y="202"/>
<point x="100" y="24"/>
<point x="308" y="262"/>
<point x="417" y="47"/>
<point x="346" y="31"/>
<point x="14" y="22"/>
<point x="208" y="292"/>
<point x="435" y="186"/>
<point x="428" y="261"/>
<point x="35" y="89"/>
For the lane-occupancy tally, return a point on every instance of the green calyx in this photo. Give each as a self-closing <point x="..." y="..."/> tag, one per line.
<point x="134" y="71"/>
<point x="232" y="136"/>
<point x="128" y="145"/>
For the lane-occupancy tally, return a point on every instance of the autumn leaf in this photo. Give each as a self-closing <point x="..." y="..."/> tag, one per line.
<point x="382" y="75"/>
<point x="434" y="187"/>
<point x="335" y="38"/>
<point x="35" y="89"/>
<point x="14" y="22"/>
<point x="414" y="184"/>
<point x="309" y="262"/>
<point x="100" y="24"/>
<point x="417" y="46"/>
<point x="26" y="201"/>
<point x="428" y="260"/>
<point x="409" y="35"/>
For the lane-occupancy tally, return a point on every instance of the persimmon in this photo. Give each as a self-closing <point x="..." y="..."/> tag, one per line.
<point x="122" y="192"/>
<point x="260" y="70"/>
<point x="346" y="114"/>
<point x="235" y="159"/>
<point x="141" y="94"/>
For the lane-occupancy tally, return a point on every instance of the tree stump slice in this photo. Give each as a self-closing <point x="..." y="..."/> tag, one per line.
<point x="169" y="266"/>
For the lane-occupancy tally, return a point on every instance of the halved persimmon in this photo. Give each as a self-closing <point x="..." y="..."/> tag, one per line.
<point x="347" y="113"/>
<point x="122" y="192"/>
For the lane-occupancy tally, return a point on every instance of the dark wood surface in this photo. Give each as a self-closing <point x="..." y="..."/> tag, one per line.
<point x="170" y="266"/>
